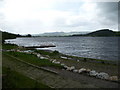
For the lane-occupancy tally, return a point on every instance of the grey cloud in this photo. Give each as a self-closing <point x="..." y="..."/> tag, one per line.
<point x="108" y="14"/>
<point x="60" y="22"/>
<point x="79" y="23"/>
<point x="107" y="17"/>
<point x="109" y="10"/>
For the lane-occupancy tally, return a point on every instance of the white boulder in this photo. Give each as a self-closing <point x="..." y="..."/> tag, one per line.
<point x="62" y="64"/>
<point x="81" y="70"/>
<point x="77" y="60"/>
<point x="53" y="61"/>
<point x="43" y="57"/>
<point x="57" y="62"/>
<point x="93" y="73"/>
<point x="63" y="57"/>
<point x="102" y="75"/>
<point x="70" y="68"/>
<point x="65" y="66"/>
<point x="38" y="55"/>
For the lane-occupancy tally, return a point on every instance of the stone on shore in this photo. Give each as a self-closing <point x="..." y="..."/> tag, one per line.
<point x="57" y="62"/>
<point x="70" y="68"/>
<point x="81" y="70"/>
<point x="65" y="66"/>
<point x="102" y="75"/>
<point x="93" y="73"/>
<point x="88" y="70"/>
<point x="62" y="64"/>
<point x="64" y="57"/>
<point x="113" y="78"/>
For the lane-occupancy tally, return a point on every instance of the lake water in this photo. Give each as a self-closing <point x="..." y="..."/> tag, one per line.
<point x="105" y="48"/>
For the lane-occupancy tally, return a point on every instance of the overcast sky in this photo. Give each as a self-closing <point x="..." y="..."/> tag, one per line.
<point x="39" y="16"/>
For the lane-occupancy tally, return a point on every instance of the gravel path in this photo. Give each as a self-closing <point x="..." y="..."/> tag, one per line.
<point x="85" y="79"/>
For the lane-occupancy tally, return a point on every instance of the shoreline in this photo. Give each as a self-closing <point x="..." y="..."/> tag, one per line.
<point x="18" y="52"/>
<point x="69" y="58"/>
<point x="73" y="57"/>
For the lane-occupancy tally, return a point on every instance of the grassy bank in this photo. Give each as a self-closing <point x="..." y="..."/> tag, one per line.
<point x="30" y="58"/>
<point x="9" y="46"/>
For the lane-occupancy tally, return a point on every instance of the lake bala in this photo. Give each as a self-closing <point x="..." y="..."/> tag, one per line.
<point x="105" y="48"/>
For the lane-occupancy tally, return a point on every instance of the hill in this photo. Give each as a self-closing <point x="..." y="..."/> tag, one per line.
<point x="117" y="33"/>
<point x="104" y="32"/>
<point x="100" y="33"/>
<point x="6" y="35"/>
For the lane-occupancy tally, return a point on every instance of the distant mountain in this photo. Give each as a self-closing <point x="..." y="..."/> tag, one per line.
<point x="53" y="34"/>
<point x="59" y="33"/>
<point x="103" y="32"/>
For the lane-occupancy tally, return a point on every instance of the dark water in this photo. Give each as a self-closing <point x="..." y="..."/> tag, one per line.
<point x="105" y="48"/>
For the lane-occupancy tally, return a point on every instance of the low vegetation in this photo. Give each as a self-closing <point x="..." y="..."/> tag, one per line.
<point x="9" y="46"/>
<point x="30" y="58"/>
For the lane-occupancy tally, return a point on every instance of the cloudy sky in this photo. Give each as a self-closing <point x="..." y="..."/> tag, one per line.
<point x="39" y="16"/>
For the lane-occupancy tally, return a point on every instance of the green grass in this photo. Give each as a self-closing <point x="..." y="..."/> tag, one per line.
<point x="32" y="59"/>
<point x="9" y="46"/>
<point x="13" y="79"/>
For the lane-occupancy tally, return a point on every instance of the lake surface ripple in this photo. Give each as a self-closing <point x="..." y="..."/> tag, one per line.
<point x="105" y="48"/>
